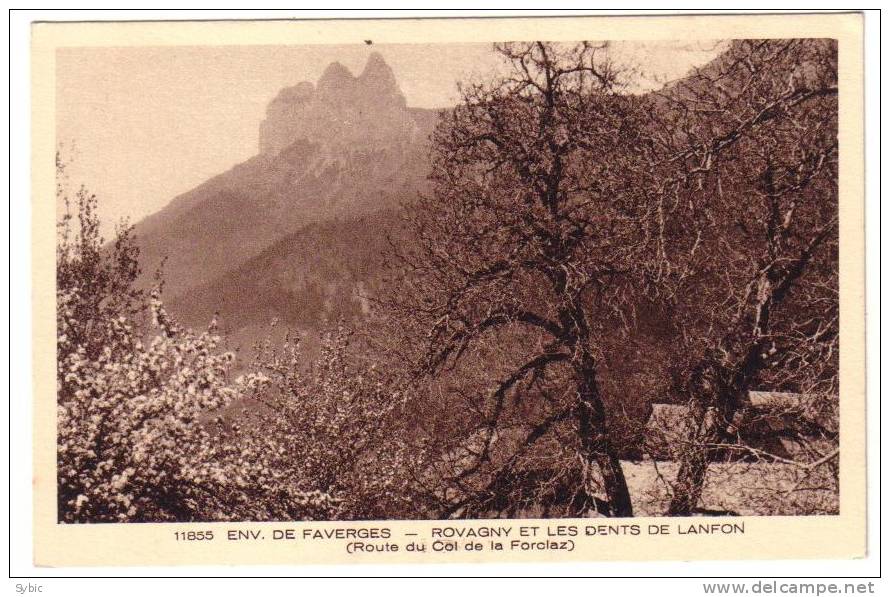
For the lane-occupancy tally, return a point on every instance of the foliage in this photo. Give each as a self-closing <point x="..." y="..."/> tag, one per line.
<point x="333" y="431"/>
<point x="747" y="219"/>
<point x="145" y="427"/>
<point x="131" y="446"/>
<point x="517" y="271"/>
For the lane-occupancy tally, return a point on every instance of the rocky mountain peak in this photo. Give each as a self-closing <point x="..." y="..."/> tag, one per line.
<point x="340" y="107"/>
<point x="378" y="76"/>
<point x="336" y="78"/>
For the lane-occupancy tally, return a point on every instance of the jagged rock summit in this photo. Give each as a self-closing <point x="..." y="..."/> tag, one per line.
<point x="340" y="108"/>
<point x="342" y="148"/>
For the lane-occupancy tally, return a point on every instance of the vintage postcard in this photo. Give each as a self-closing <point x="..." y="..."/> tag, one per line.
<point x="448" y="290"/>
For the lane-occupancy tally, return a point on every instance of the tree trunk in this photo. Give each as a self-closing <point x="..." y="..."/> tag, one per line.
<point x="717" y="393"/>
<point x="597" y="447"/>
<point x="694" y="462"/>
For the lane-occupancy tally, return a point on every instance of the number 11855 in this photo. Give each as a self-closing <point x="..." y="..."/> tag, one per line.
<point x="194" y="535"/>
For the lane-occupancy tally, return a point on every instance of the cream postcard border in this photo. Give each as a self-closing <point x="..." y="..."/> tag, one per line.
<point x="842" y="536"/>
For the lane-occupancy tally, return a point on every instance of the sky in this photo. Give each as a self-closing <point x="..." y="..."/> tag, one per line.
<point x="140" y="125"/>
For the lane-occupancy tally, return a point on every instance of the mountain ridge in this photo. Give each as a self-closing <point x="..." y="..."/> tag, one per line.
<point x="336" y="160"/>
<point x="337" y="149"/>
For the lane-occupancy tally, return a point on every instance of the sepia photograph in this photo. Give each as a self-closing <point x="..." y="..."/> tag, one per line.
<point x="561" y="281"/>
<point x="574" y="277"/>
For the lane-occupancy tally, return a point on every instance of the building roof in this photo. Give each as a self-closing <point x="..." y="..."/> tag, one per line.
<point x="774" y="422"/>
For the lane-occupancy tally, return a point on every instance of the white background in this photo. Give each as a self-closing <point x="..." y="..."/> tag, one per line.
<point x="19" y="346"/>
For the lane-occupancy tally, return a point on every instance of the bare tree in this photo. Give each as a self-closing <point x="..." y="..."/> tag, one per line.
<point x="517" y="271"/>
<point x="746" y="231"/>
